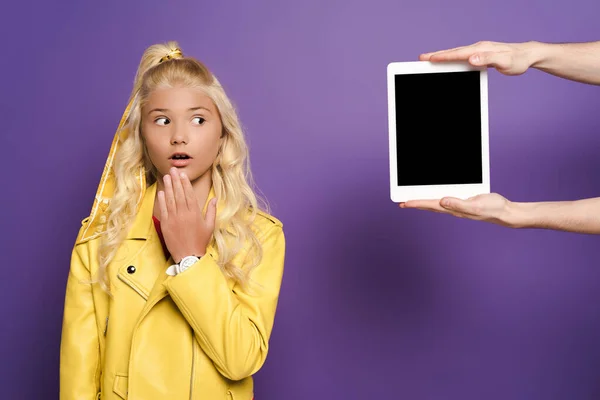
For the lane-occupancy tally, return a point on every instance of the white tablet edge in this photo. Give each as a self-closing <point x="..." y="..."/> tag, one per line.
<point x="463" y="191"/>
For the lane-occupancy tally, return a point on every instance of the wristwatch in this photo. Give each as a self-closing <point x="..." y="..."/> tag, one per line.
<point x="184" y="264"/>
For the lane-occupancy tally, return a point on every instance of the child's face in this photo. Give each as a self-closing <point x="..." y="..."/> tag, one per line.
<point x="181" y="128"/>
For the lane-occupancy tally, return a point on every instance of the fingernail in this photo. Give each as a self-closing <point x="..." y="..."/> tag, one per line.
<point x="446" y="202"/>
<point x="182" y="175"/>
<point x="475" y="59"/>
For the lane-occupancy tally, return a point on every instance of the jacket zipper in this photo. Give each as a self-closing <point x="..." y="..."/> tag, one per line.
<point x="106" y="327"/>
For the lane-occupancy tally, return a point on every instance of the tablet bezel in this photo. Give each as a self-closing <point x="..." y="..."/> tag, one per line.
<point x="462" y="191"/>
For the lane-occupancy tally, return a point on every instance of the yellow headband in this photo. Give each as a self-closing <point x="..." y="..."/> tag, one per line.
<point x="96" y="222"/>
<point x="175" y="53"/>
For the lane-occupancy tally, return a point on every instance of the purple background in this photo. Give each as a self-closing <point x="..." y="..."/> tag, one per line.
<point x="377" y="302"/>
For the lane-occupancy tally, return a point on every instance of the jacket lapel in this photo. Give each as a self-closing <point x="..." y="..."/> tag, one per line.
<point x="142" y="248"/>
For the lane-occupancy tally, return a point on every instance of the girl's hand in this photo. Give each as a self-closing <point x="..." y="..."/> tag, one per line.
<point x="185" y="230"/>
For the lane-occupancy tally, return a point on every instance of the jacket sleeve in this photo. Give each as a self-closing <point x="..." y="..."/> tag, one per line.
<point x="79" y="349"/>
<point x="232" y="326"/>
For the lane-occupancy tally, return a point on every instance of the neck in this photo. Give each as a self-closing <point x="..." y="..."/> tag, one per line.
<point x="201" y="186"/>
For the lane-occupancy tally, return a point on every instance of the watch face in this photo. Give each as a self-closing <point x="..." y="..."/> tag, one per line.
<point x="187" y="262"/>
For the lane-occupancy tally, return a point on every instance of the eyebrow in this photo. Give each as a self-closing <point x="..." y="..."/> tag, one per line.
<point x="166" y="109"/>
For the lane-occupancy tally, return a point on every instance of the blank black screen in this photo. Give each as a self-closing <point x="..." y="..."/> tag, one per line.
<point x="438" y="128"/>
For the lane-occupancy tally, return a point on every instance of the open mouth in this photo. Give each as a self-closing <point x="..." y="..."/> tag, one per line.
<point x="180" y="156"/>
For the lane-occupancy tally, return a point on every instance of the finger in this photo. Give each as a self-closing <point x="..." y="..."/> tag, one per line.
<point x="464" y="53"/>
<point x="453" y="55"/>
<point x="211" y="214"/>
<point x="460" y="206"/>
<point x="178" y="190"/>
<point x="188" y="189"/>
<point x="427" y="56"/>
<point x="431" y="205"/>
<point x="169" y="198"/>
<point x="499" y="60"/>
<point x="162" y="206"/>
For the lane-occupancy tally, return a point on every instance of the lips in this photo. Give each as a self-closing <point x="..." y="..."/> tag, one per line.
<point x="180" y="156"/>
<point x="180" y="159"/>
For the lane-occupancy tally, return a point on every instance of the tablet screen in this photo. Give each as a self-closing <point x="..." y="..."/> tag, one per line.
<point x="438" y="128"/>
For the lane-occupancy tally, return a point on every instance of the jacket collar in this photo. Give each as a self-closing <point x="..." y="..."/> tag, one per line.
<point x="142" y="224"/>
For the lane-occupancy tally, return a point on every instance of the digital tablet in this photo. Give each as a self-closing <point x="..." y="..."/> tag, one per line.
<point x="438" y="130"/>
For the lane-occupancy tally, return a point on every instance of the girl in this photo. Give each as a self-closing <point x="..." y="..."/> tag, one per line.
<point x="175" y="275"/>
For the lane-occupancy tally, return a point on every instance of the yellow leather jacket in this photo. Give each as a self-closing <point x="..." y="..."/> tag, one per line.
<point x="196" y="335"/>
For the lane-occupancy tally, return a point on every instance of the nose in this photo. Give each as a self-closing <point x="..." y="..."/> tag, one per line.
<point x="179" y="135"/>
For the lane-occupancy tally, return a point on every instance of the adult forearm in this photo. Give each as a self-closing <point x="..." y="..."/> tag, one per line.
<point x="575" y="61"/>
<point x="580" y="216"/>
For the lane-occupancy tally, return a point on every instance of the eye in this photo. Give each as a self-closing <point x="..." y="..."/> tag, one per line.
<point x="162" y="121"/>
<point x="199" y="120"/>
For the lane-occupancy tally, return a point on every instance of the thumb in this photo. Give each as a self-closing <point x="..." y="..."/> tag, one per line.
<point x="458" y="205"/>
<point x="211" y="214"/>
<point x="500" y="61"/>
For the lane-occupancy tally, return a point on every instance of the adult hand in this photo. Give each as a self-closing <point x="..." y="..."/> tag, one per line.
<point x="490" y="207"/>
<point x="507" y="58"/>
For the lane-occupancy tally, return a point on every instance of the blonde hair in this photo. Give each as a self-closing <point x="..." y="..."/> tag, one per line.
<point x="231" y="176"/>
